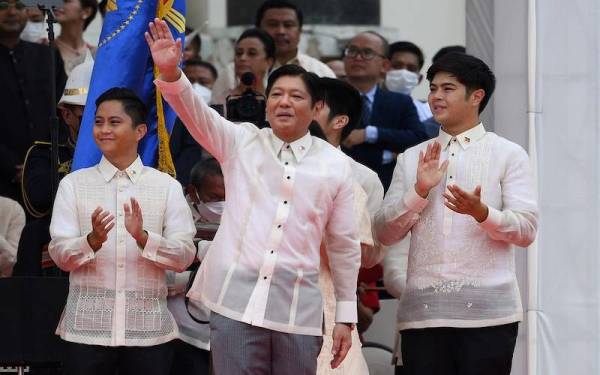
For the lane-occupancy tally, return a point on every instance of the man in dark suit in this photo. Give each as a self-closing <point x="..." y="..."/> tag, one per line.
<point x="390" y="122"/>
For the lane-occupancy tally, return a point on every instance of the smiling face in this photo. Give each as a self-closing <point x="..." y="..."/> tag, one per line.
<point x="290" y="108"/>
<point x="114" y="131"/>
<point x="451" y="104"/>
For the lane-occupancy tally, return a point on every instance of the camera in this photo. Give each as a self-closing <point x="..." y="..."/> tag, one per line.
<point x="249" y="106"/>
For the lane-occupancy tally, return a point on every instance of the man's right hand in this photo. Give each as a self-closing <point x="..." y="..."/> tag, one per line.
<point x="429" y="171"/>
<point x="102" y="223"/>
<point x="166" y="52"/>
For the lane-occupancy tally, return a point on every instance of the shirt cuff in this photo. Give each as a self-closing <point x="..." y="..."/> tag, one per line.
<point x="151" y="248"/>
<point x="413" y="201"/>
<point x="174" y="87"/>
<point x="346" y="312"/>
<point x="493" y="221"/>
<point x="371" y="134"/>
<point x="88" y="253"/>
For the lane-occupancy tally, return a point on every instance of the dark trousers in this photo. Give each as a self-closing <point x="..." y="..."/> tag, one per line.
<point x="127" y="360"/>
<point x="459" y="351"/>
<point x="189" y="360"/>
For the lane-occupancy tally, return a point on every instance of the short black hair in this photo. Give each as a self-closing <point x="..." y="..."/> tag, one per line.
<point x="132" y="104"/>
<point x="311" y="80"/>
<point x="406" y="46"/>
<point x="468" y="70"/>
<point x="203" y="169"/>
<point x="277" y="4"/>
<point x="199" y="62"/>
<point x="265" y="38"/>
<point x="445" y="50"/>
<point x="93" y="5"/>
<point x="342" y="99"/>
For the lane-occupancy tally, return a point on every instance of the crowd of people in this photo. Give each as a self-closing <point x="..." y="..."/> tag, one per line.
<point x="262" y="256"/>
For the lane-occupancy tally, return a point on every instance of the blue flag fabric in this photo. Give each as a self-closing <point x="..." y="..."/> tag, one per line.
<point x="123" y="60"/>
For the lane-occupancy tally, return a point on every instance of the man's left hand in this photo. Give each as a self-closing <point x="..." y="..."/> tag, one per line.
<point x="342" y="342"/>
<point x="134" y="223"/>
<point x="355" y="138"/>
<point x="466" y="203"/>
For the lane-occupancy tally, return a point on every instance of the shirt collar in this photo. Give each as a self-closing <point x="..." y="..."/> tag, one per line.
<point x="299" y="147"/>
<point x="465" y="139"/>
<point x="108" y="170"/>
<point x="371" y="94"/>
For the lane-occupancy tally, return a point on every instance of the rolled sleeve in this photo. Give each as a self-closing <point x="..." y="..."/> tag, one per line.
<point x="346" y="312"/>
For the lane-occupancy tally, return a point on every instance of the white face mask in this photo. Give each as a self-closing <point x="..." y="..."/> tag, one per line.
<point x="204" y="92"/>
<point x="34" y="32"/>
<point x="401" y="80"/>
<point x="211" y="211"/>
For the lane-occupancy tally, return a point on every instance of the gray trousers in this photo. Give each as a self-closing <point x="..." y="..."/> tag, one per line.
<point x="238" y="348"/>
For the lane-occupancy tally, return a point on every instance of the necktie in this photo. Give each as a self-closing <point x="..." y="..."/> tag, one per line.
<point x="366" y="111"/>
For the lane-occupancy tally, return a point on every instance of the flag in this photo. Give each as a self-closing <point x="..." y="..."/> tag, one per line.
<point x="123" y="60"/>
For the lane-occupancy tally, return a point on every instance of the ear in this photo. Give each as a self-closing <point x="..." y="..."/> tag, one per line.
<point x="86" y="12"/>
<point x="340" y="121"/>
<point x="319" y="105"/>
<point x="477" y="96"/>
<point x="141" y="131"/>
<point x="192" y="193"/>
<point x="386" y="65"/>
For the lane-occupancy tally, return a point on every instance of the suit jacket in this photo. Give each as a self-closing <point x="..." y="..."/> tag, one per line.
<point x="399" y="128"/>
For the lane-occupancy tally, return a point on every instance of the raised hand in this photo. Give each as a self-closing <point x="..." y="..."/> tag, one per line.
<point x="102" y="223"/>
<point x="342" y="342"/>
<point x="466" y="203"/>
<point x="134" y="222"/>
<point x="166" y="52"/>
<point x="429" y="171"/>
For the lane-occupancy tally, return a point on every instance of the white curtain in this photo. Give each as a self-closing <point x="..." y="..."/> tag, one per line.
<point x="566" y="79"/>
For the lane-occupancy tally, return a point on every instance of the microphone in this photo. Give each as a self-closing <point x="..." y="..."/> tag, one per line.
<point x="248" y="78"/>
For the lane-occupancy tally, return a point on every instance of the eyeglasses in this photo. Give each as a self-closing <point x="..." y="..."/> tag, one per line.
<point x="5" y="5"/>
<point x="366" y="53"/>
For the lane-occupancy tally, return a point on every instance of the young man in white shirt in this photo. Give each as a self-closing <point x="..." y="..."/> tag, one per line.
<point x="286" y="192"/>
<point x="116" y="227"/>
<point x="468" y="198"/>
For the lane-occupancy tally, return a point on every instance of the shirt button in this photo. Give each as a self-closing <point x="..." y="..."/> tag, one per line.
<point x="286" y="163"/>
<point x="288" y="177"/>
<point x="272" y="251"/>
<point x="288" y="146"/>
<point x="120" y="291"/>
<point x="279" y="226"/>
<point x="450" y="176"/>
<point x="121" y="265"/>
<point x="264" y="277"/>
<point x="284" y="202"/>
<point x="453" y="154"/>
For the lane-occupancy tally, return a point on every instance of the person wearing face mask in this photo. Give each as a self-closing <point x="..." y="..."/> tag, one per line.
<point x="406" y="60"/>
<point x="35" y="183"/>
<point x="205" y="192"/>
<point x="25" y="77"/>
<point x="205" y="195"/>
<point x="202" y="75"/>
<point x="35" y="29"/>
<point x="254" y="53"/>
<point x="185" y="151"/>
